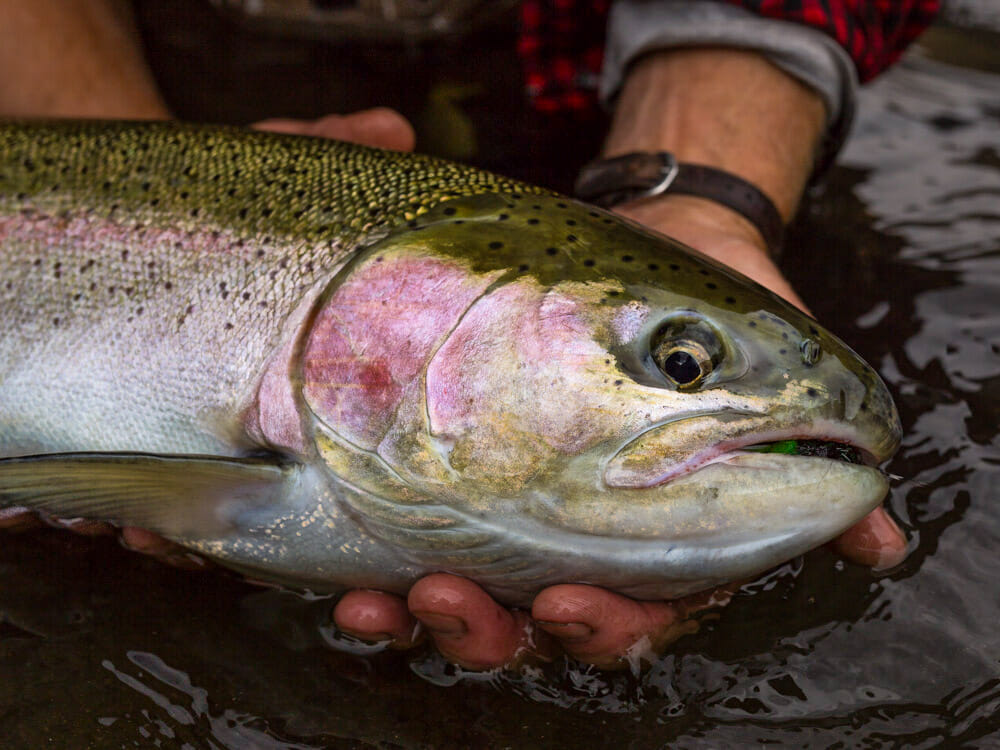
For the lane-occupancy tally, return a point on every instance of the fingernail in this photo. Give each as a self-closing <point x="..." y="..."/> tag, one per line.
<point x="438" y="624"/>
<point x="567" y="631"/>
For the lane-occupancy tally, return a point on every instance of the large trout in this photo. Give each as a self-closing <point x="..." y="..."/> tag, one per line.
<point x="331" y="366"/>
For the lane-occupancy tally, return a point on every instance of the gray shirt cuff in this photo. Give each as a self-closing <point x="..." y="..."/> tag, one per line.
<point x="638" y="27"/>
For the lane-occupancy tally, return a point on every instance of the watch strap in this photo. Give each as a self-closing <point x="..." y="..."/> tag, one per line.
<point x="610" y="182"/>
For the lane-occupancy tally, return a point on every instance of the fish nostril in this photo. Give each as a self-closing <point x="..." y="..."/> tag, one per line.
<point x="811" y="351"/>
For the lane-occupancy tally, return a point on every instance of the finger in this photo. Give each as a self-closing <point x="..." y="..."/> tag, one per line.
<point x="469" y="628"/>
<point x="606" y="629"/>
<point x="376" y="616"/>
<point x="82" y="526"/>
<point x="148" y="543"/>
<point x="18" y="519"/>
<point x="875" y="541"/>
<point x="380" y="127"/>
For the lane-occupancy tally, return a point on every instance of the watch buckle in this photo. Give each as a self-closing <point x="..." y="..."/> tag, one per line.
<point x="668" y="173"/>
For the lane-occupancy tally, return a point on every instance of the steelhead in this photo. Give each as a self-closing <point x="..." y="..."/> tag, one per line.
<point x="331" y="366"/>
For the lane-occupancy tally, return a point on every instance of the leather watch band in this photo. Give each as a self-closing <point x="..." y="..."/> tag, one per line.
<point x="609" y="182"/>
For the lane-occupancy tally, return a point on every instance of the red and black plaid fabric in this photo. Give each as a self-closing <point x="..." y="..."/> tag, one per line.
<point x="561" y="46"/>
<point x="562" y="41"/>
<point x="874" y="32"/>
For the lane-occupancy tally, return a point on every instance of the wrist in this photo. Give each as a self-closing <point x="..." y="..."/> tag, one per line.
<point x="641" y="175"/>
<point x="688" y="218"/>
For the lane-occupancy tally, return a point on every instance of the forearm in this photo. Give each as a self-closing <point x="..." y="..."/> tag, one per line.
<point x="65" y="58"/>
<point x="724" y="108"/>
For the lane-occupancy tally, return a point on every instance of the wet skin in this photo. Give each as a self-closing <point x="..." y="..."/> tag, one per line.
<point x="589" y="623"/>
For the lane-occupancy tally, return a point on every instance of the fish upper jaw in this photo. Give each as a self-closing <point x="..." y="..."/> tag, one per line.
<point x="661" y="454"/>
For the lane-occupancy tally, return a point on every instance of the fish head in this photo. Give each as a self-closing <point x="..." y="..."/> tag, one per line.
<point x="533" y="378"/>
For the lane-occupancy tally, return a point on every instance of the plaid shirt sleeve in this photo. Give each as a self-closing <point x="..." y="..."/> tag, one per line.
<point x="561" y="41"/>
<point x="873" y="32"/>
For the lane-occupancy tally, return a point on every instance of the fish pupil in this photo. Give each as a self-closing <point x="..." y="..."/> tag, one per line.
<point x="682" y="367"/>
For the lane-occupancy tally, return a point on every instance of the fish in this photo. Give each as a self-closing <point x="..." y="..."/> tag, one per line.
<point x="329" y="366"/>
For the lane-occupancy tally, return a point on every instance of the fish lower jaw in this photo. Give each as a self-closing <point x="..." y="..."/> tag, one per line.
<point x="731" y="518"/>
<point x="617" y="473"/>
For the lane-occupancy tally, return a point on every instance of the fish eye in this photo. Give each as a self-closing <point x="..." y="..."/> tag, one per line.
<point x="686" y="353"/>
<point x="686" y="363"/>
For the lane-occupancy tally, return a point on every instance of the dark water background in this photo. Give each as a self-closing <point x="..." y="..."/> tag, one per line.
<point x="899" y="252"/>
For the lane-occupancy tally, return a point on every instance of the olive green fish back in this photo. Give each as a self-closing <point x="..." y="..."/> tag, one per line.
<point x="123" y="244"/>
<point x="309" y="188"/>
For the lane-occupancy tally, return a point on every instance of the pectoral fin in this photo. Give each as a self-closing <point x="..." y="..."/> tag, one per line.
<point x="178" y="496"/>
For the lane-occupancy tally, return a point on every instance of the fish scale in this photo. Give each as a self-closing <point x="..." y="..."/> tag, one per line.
<point x="333" y="366"/>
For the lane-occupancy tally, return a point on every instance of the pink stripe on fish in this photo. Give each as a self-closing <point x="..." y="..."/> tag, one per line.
<point x="83" y="231"/>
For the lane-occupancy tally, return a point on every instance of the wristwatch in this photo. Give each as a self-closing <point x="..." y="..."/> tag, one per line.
<point x="610" y="182"/>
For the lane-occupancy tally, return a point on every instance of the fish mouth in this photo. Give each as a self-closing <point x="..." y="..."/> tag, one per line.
<point x="831" y="449"/>
<point x="639" y="465"/>
<point x="744" y="503"/>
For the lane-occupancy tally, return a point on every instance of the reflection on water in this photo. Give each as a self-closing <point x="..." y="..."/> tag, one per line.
<point x="231" y="729"/>
<point x="900" y="253"/>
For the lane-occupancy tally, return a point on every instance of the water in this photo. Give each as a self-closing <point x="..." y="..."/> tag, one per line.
<point x="899" y="252"/>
